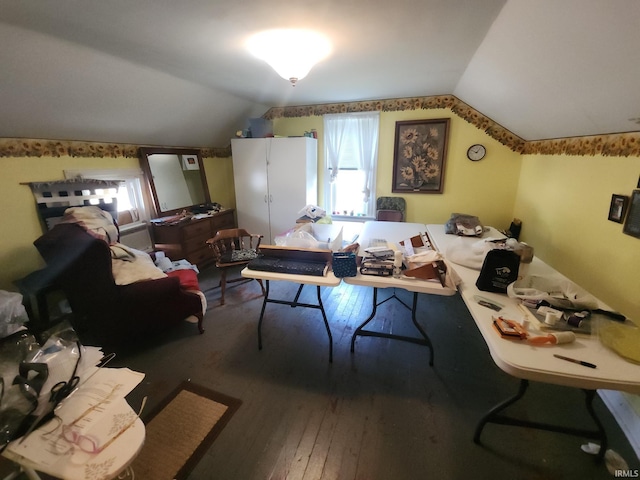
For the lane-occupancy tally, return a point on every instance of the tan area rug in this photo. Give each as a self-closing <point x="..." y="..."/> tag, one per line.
<point x="181" y="430"/>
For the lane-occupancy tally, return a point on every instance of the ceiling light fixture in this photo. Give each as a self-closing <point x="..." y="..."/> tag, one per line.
<point x="290" y="52"/>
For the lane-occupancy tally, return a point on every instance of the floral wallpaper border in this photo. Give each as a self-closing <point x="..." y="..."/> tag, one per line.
<point x="614" y="145"/>
<point x="619" y="145"/>
<point x="23" y="147"/>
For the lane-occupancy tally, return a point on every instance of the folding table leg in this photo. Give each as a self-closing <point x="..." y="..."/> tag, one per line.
<point x="494" y="416"/>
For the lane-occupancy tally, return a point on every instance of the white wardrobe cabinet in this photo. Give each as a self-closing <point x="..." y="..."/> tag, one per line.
<point x="274" y="179"/>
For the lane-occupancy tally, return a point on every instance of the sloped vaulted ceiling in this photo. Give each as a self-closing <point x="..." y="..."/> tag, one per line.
<point x="175" y="73"/>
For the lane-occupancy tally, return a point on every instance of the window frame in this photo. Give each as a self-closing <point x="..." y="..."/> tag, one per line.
<point x="134" y="182"/>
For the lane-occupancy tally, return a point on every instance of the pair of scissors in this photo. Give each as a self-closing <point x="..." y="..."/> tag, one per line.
<point x="59" y="392"/>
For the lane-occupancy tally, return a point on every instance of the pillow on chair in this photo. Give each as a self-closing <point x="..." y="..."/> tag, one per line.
<point x="243" y="255"/>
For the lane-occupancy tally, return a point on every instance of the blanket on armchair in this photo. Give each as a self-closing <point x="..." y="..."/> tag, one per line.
<point x="129" y="265"/>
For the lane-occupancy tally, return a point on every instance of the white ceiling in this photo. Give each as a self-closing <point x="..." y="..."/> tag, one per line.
<point x="164" y="72"/>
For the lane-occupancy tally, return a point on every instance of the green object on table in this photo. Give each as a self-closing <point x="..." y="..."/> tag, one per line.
<point x="622" y="338"/>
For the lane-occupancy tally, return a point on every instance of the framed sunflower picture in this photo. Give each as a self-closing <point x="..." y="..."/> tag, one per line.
<point x="420" y="151"/>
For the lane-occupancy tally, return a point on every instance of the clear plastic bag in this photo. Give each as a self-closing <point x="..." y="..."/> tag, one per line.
<point x="17" y="402"/>
<point x="13" y="315"/>
<point x="29" y="373"/>
<point x="297" y="238"/>
<point x="559" y="293"/>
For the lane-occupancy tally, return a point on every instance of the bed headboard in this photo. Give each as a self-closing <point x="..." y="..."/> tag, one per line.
<point x="53" y="198"/>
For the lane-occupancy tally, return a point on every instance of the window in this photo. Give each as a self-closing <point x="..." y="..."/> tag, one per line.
<point x="130" y="195"/>
<point x="351" y="156"/>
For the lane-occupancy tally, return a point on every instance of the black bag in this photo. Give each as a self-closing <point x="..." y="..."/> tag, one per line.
<point x="344" y="264"/>
<point x="499" y="269"/>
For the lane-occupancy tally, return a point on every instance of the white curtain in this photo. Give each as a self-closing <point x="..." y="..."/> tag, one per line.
<point x="368" y="134"/>
<point x="351" y="141"/>
<point x="335" y="130"/>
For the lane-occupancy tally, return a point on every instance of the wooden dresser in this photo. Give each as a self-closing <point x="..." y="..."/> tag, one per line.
<point x="186" y="239"/>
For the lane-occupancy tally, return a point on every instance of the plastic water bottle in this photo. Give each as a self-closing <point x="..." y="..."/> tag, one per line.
<point x="397" y="264"/>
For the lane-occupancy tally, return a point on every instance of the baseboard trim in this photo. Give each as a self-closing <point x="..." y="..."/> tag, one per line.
<point x="619" y="406"/>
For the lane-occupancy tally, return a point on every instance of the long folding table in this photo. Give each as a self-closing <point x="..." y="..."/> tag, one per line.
<point x="538" y="363"/>
<point x="520" y="359"/>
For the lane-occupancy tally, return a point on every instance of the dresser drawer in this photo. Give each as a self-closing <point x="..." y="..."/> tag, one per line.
<point x="196" y="229"/>
<point x="223" y="221"/>
<point x="192" y="244"/>
<point x="187" y="240"/>
<point x="166" y="233"/>
<point x="201" y="256"/>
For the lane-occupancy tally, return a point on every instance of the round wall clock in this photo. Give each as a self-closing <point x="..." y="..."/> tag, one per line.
<point x="476" y="152"/>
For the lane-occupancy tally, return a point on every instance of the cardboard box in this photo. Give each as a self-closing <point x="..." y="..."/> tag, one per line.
<point x="430" y="270"/>
<point x="260" y="127"/>
<point x="412" y="246"/>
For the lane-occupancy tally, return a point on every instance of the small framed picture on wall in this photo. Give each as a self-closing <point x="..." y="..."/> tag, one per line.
<point x="190" y="162"/>
<point x="618" y="208"/>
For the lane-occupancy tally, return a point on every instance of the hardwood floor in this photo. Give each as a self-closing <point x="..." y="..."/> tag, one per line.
<point x="380" y="413"/>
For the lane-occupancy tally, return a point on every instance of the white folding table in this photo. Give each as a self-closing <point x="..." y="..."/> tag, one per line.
<point x="328" y="280"/>
<point x="395" y="232"/>
<point x="537" y="363"/>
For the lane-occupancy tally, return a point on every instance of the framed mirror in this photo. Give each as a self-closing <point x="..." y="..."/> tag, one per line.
<point x="175" y="179"/>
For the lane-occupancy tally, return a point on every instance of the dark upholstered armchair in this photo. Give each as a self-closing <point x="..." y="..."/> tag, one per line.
<point x="105" y="313"/>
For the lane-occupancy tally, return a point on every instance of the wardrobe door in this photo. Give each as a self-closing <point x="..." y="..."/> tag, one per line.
<point x="250" y="179"/>
<point x="289" y="172"/>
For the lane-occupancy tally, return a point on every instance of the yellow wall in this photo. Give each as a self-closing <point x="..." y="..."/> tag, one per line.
<point x="564" y="204"/>
<point x="219" y="172"/>
<point x="562" y="200"/>
<point x="486" y="188"/>
<point x="21" y="226"/>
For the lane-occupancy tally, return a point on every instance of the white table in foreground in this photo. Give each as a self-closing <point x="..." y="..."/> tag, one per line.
<point x="393" y="233"/>
<point x="109" y="464"/>
<point x="537" y="363"/>
<point x="38" y="452"/>
<point x="328" y="280"/>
